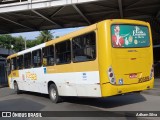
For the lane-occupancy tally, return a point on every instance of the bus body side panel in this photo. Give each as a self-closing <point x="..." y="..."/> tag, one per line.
<point x="33" y="79"/>
<point x="104" y="57"/>
<point x="14" y="76"/>
<point x="75" y="79"/>
<point x="88" y="83"/>
<point x="62" y="76"/>
<point x="27" y="79"/>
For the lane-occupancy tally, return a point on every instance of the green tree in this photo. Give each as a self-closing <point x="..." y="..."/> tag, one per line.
<point x="45" y="36"/>
<point x="10" y="42"/>
<point x="6" y="41"/>
<point x="32" y="43"/>
<point x="19" y="43"/>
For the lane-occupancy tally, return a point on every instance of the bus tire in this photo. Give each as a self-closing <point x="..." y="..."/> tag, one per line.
<point x="53" y="94"/>
<point x="16" y="88"/>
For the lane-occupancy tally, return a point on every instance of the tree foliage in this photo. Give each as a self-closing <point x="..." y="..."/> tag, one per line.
<point x="45" y="36"/>
<point x="18" y="43"/>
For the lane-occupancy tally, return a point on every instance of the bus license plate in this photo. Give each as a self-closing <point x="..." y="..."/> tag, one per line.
<point x="133" y="76"/>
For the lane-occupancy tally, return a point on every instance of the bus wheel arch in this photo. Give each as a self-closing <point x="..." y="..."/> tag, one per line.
<point x="16" y="88"/>
<point x="53" y="92"/>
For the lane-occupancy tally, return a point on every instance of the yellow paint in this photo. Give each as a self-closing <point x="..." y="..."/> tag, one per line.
<point x="31" y="76"/>
<point x="74" y="67"/>
<point x="12" y="56"/>
<point x="79" y="66"/>
<point x="9" y="80"/>
<point x="108" y="57"/>
<point x="44" y="61"/>
<point x="115" y="90"/>
<point x="15" y="73"/>
<point x="116" y="57"/>
<point x="73" y="34"/>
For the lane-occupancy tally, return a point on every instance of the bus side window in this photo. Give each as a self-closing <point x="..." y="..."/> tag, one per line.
<point x="48" y="56"/>
<point x="27" y="60"/>
<point x="20" y="62"/>
<point x="13" y="64"/>
<point x="63" y="52"/>
<point x="37" y="58"/>
<point x="84" y="47"/>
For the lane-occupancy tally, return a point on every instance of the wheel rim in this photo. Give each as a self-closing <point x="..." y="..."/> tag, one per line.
<point x="53" y="94"/>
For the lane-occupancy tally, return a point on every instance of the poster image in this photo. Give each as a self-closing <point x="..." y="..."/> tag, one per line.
<point x="130" y="36"/>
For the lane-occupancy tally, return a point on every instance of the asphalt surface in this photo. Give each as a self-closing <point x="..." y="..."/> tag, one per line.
<point x="27" y="101"/>
<point x="156" y="90"/>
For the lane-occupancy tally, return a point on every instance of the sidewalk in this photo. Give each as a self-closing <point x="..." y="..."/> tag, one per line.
<point x="155" y="90"/>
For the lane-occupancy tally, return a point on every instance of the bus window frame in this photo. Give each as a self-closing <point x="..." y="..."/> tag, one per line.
<point x="30" y="66"/>
<point x="95" y="47"/>
<point x="130" y="24"/>
<point x="55" y="52"/>
<point x="12" y="64"/>
<point x="22" y="63"/>
<point x="32" y="59"/>
<point x="47" y="56"/>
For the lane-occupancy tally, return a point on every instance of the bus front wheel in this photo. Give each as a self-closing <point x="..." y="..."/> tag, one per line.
<point x="53" y="94"/>
<point x="16" y="88"/>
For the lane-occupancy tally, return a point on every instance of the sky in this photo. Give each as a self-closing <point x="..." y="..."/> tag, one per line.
<point x="57" y="32"/>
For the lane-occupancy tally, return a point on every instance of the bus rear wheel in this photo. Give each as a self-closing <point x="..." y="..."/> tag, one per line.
<point x="53" y="94"/>
<point x="16" y="88"/>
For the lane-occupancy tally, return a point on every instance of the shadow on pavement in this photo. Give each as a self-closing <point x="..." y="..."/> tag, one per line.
<point x="109" y="102"/>
<point x="20" y="104"/>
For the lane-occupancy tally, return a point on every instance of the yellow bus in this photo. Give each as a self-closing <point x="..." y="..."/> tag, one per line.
<point x="107" y="58"/>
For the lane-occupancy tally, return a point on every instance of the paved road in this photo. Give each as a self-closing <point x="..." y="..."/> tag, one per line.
<point x="156" y="90"/>
<point x="9" y="101"/>
<point x="157" y="83"/>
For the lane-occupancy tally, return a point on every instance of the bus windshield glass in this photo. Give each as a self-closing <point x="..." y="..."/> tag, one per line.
<point x="129" y="36"/>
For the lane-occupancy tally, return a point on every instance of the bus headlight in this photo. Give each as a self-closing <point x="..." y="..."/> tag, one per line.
<point x="111" y="76"/>
<point x="152" y="72"/>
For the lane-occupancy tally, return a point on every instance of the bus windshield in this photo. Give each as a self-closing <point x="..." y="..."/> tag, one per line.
<point x="129" y="36"/>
